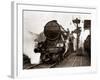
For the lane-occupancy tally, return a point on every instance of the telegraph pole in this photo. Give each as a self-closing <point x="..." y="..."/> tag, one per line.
<point x="77" y="22"/>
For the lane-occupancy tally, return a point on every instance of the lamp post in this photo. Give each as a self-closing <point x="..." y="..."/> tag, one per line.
<point x="77" y="22"/>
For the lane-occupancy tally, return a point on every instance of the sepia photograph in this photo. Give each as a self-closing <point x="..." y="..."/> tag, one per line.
<point x="54" y="39"/>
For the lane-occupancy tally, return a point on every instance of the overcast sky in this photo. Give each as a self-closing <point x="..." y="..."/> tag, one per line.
<point x="35" y="21"/>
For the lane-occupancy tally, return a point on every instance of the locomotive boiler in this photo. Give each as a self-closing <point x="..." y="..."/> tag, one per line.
<point x="53" y="48"/>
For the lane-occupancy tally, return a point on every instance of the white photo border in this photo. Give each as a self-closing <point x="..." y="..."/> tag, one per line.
<point x="17" y="41"/>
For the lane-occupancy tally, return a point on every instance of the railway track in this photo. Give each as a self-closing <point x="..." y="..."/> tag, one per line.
<point x="70" y="61"/>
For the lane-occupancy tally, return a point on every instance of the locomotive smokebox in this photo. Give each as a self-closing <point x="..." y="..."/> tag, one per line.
<point x="52" y="30"/>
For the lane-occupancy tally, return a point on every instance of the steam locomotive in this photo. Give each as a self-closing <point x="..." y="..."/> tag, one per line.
<point x="53" y="48"/>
